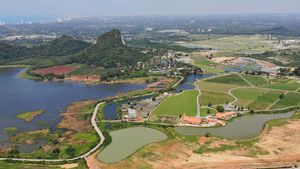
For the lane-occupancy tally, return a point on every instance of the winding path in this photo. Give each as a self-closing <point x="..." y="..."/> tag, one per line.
<point x="94" y="123"/>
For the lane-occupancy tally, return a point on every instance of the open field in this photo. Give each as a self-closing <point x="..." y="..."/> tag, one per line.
<point x="266" y="100"/>
<point x="206" y="65"/>
<point x="263" y="97"/>
<point x="236" y="43"/>
<point x="29" y="116"/>
<point x="58" y="70"/>
<point x="214" y="98"/>
<point x="232" y="79"/>
<point x="207" y="111"/>
<point x="215" y="93"/>
<point x="290" y="99"/>
<point x="19" y="165"/>
<point x="290" y="85"/>
<point x="256" y="80"/>
<point x="215" y="90"/>
<point x="247" y="95"/>
<point x="184" y="102"/>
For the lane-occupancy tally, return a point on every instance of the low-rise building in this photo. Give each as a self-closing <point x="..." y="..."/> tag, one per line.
<point x="191" y="120"/>
<point x="132" y="114"/>
<point x="225" y="115"/>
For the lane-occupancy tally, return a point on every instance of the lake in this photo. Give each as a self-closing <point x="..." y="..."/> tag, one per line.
<point x="126" y="141"/>
<point x="188" y="82"/>
<point x="18" y="95"/>
<point x="245" y="127"/>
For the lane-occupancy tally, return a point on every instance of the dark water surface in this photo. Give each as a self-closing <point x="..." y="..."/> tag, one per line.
<point x="18" y="95"/>
<point x="245" y="127"/>
<point x="188" y="82"/>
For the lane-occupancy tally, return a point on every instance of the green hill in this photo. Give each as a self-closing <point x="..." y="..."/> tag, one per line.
<point x="109" y="51"/>
<point x="9" y="52"/>
<point x="62" y="46"/>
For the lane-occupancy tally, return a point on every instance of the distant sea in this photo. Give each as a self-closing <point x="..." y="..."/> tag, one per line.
<point x="26" y="19"/>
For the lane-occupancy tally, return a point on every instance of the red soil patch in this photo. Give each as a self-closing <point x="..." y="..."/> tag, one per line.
<point x="202" y="140"/>
<point x="83" y="78"/>
<point x="55" y="70"/>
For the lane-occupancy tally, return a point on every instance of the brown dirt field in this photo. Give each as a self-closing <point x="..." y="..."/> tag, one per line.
<point x="281" y="147"/>
<point x="55" y="70"/>
<point x="83" y="78"/>
<point x="71" y="118"/>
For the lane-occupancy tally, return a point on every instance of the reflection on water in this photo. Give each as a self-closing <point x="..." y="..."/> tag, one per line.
<point x="127" y="141"/>
<point x="18" y="95"/>
<point x="244" y="127"/>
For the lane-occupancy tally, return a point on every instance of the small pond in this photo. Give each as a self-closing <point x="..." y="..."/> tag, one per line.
<point x="126" y="141"/>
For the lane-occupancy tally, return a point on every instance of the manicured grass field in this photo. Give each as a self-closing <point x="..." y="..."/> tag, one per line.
<point x="204" y="111"/>
<point x="290" y="99"/>
<point x="232" y="79"/>
<point x="177" y="105"/>
<point x="215" y="93"/>
<point x="264" y="101"/>
<point x="256" y="80"/>
<point x="292" y="86"/>
<point x="247" y="95"/>
<point x="214" y="98"/>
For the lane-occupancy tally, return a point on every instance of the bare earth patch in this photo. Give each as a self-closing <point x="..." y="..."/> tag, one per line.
<point x="71" y="118"/>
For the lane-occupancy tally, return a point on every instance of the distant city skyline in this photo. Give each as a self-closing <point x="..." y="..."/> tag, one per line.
<point x="145" y="7"/>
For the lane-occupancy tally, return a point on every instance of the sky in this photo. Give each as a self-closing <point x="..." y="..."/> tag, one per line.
<point x="144" y="7"/>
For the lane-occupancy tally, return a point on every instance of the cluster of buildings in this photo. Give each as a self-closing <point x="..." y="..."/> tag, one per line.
<point x="139" y="110"/>
<point x="169" y="64"/>
<point x="218" y="119"/>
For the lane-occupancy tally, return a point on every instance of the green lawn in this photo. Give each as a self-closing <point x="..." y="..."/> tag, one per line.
<point x="292" y="86"/>
<point x="232" y="79"/>
<point x="214" y="98"/>
<point x="204" y="111"/>
<point x="215" y="93"/>
<point x="247" y="95"/>
<point x="256" y="80"/>
<point x="177" y="105"/>
<point x="264" y="101"/>
<point x="290" y="99"/>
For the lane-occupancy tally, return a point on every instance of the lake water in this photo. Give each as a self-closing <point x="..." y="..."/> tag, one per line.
<point x="18" y="95"/>
<point x="245" y="127"/>
<point x="126" y="141"/>
<point x="188" y="82"/>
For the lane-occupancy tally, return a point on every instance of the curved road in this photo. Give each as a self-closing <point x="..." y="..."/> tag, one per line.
<point x="94" y="123"/>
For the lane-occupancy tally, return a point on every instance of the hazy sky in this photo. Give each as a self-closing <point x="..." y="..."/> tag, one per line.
<point x="145" y="7"/>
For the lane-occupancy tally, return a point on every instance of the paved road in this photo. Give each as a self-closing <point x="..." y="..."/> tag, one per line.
<point x="198" y="100"/>
<point x="94" y="123"/>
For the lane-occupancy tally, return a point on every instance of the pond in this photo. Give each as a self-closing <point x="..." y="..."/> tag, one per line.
<point x="126" y="141"/>
<point x="245" y="127"/>
<point x="18" y="95"/>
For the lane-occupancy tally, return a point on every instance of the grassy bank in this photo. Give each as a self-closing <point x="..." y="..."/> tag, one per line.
<point x="29" y="116"/>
